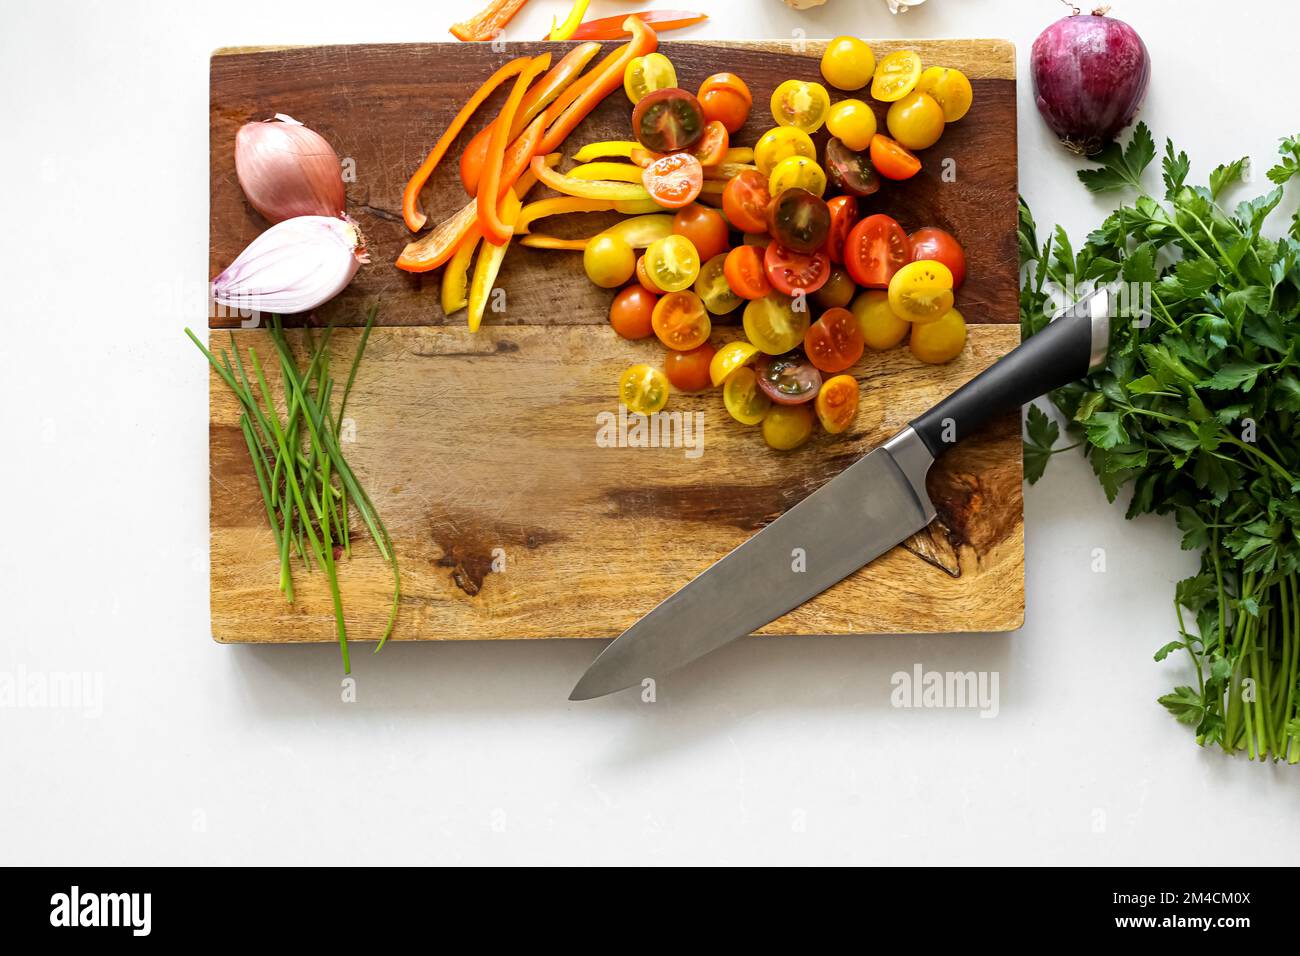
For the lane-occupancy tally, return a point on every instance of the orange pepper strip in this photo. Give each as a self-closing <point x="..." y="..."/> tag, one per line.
<point x="599" y="85"/>
<point x="537" y="99"/>
<point x="489" y="185"/>
<point x="415" y="219"/>
<point x="489" y="22"/>
<point x="611" y="28"/>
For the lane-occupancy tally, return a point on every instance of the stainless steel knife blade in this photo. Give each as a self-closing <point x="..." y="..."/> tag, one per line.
<point x="864" y="511"/>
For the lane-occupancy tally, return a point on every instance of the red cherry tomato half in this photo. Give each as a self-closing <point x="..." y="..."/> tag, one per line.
<point x="834" y="342"/>
<point x="706" y="229"/>
<point x="745" y="200"/>
<point x="745" y="273"/>
<point x="931" y="242"/>
<point x="689" y="370"/>
<point x="713" y="145"/>
<point x="792" y="272"/>
<point x="674" y="180"/>
<point x="844" y="215"/>
<point x="666" y="120"/>
<point x="876" y="248"/>
<point x="788" y="379"/>
<point x="892" y="159"/>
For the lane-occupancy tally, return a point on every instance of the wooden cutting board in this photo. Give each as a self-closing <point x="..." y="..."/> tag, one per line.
<point x="484" y="452"/>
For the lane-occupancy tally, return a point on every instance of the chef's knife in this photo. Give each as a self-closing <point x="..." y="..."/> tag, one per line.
<point x="871" y="506"/>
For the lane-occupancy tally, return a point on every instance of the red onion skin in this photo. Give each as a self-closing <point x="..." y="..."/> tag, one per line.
<point x="1090" y="76"/>
<point x="287" y="170"/>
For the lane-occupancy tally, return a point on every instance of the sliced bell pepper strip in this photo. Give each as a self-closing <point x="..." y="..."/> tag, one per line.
<point x="587" y="189"/>
<point x="565" y="30"/>
<point x="739" y="154"/>
<point x="562" y="205"/>
<point x="489" y="186"/>
<point x="415" y="219"/>
<point x="609" y="149"/>
<point x="638" y="232"/>
<point x="551" y="242"/>
<point x="617" y="172"/>
<point x="727" y="170"/>
<point x="564" y="119"/>
<point x="489" y="264"/>
<point x="455" y="278"/>
<point x="537" y="99"/>
<point x="488" y="22"/>
<point x="611" y="28"/>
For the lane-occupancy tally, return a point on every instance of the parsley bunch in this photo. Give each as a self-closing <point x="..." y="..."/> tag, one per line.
<point x="1197" y="411"/>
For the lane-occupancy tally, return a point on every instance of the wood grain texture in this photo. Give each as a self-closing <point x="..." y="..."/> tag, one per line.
<point x="472" y="443"/>
<point x="382" y="106"/>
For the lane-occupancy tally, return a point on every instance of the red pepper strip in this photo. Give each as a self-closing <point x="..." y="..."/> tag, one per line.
<point x="415" y="219"/>
<point x="611" y="28"/>
<point x="489" y="183"/>
<point x="566" y="118"/>
<point x="488" y="22"/>
<point x="537" y="99"/>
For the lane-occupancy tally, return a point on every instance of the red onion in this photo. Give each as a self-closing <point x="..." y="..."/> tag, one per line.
<point x="1090" y="76"/>
<point x="288" y="170"/>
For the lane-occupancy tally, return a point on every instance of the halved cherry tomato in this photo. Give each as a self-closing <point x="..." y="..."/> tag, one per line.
<point x="834" y="342"/>
<point x="893" y="160"/>
<point x="745" y="273"/>
<point x="838" y="291"/>
<point x="643" y="389"/>
<point x="793" y="272"/>
<point x="788" y="379"/>
<point x="630" y="312"/>
<point x="713" y="145"/>
<point x="876" y="249"/>
<point x="844" y="215"/>
<point x="666" y="120"/>
<point x="745" y="200"/>
<point x="932" y="242"/>
<point x="921" y="292"/>
<point x="680" y="321"/>
<point x="674" y="180"/>
<point x="799" y="220"/>
<point x="745" y="401"/>
<point x="837" y="403"/>
<point x="772" y="324"/>
<point x="896" y="75"/>
<point x="713" y="289"/>
<point x="689" y="370"/>
<point x="706" y="229"/>
<point x="725" y="97"/>
<point x="782" y="143"/>
<point x="648" y="73"/>
<point x="941" y="340"/>
<point x="850" y="172"/>
<point x="729" y="358"/>
<point x="881" y="329"/>
<point x="672" y="263"/>
<point x="800" y="104"/>
<point x="643" y="277"/>
<point x="786" y="427"/>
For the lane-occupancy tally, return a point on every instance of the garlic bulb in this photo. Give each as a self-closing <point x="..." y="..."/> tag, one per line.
<point x="294" y="266"/>
<point x="288" y="170"/>
<point x="902" y="6"/>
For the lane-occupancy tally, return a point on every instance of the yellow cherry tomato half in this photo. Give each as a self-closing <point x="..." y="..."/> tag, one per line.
<point x="951" y="90"/>
<point x="786" y="427"/>
<point x="772" y="324"/>
<point x="672" y="263"/>
<point x="645" y="74"/>
<point x="853" y="123"/>
<point x="745" y="401"/>
<point x="782" y="143"/>
<point x="713" y="289"/>
<point x="680" y="321"/>
<point x="837" y="403"/>
<point x="880" y="327"/>
<point x="797" y="172"/>
<point x="730" y="357"/>
<point x="921" y="291"/>
<point x="643" y="389"/>
<point x="896" y="75"/>
<point x="847" y="63"/>
<point x="939" y="341"/>
<point x="609" y="261"/>
<point x="915" y="121"/>
<point x="800" y="104"/>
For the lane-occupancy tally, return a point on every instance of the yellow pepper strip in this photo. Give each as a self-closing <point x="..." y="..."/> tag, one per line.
<point x="726" y="170"/>
<point x="639" y="231"/>
<point x="586" y="189"/>
<point x="637" y="207"/>
<point x="617" y="172"/>
<point x="569" y="27"/>
<point x="558" y="206"/>
<point x="610" y="149"/>
<point x="536" y="241"/>
<point x="739" y="154"/>
<point x="455" y="279"/>
<point x="489" y="263"/>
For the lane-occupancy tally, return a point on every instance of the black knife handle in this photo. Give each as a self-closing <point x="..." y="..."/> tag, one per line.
<point x="1073" y="344"/>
